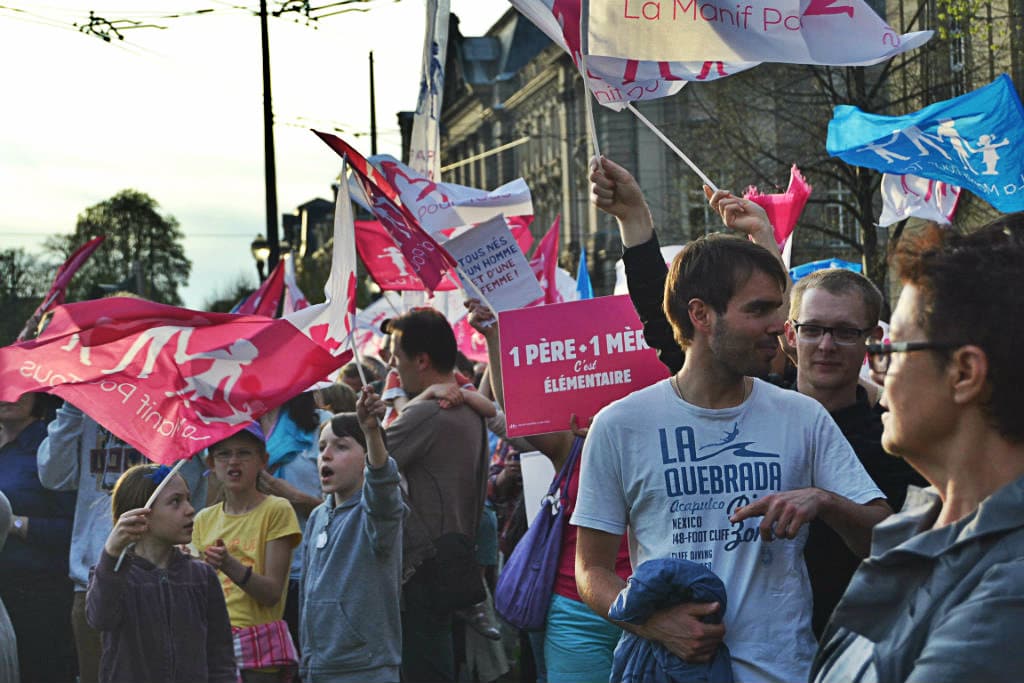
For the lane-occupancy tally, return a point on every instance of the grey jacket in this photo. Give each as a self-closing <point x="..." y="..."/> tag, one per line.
<point x="935" y="605"/>
<point x="349" y="620"/>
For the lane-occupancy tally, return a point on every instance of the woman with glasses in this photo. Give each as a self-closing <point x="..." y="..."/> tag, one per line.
<point x="942" y="596"/>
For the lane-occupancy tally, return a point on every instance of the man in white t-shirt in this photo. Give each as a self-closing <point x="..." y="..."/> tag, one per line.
<point x="690" y="464"/>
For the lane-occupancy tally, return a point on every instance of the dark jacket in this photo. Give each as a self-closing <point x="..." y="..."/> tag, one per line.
<point x="657" y="585"/>
<point x="160" y="625"/>
<point x="43" y="556"/>
<point x="934" y="604"/>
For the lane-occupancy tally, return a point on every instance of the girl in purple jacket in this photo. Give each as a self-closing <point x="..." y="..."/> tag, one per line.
<point x="161" y="613"/>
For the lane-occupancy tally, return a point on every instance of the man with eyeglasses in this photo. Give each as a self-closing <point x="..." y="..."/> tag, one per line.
<point x="832" y="314"/>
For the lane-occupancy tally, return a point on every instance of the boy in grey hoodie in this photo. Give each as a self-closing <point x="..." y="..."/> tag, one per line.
<point x="349" y="620"/>
<point x="80" y="455"/>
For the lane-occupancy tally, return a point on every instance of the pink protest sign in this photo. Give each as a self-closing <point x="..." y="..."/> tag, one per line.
<point x="575" y="357"/>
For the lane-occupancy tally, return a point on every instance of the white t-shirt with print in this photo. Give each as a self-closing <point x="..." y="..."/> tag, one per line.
<point x="674" y="473"/>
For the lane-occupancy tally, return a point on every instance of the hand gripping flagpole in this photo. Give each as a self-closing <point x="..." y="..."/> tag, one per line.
<point x="149" y="504"/>
<point x="672" y="146"/>
<point x="587" y="94"/>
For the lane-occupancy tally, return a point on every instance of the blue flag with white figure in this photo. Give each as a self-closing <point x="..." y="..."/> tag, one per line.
<point x="583" y="286"/>
<point x="975" y="141"/>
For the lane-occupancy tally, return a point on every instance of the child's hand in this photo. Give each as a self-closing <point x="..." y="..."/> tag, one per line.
<point x="217" y="555"/>
<point x="369" y="408"/>
<point x="448" y="395"/>
<point x="129" y="529"/>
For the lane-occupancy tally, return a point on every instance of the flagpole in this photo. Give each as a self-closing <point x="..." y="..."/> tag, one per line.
<point x="584" y="49"/>
<point x="464" y="279"/>
<point x="672" y="146"/>
<point x="149" y="504"/>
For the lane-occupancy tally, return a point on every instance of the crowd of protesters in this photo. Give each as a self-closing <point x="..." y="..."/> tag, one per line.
<point x="358" y="532"/>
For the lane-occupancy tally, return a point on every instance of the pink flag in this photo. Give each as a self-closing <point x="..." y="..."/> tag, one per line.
<point x="58" y="289"/>
<point x="429" y="261"/>
<point x="385" y="262"/>
<point x="171" y="381"/>
<point x="783" y="209"/>
<point x="167" y="380"/>
<point x="264" y="300"/>
<point x="904" y="196"/>
<point x="545" y="263"/>
<point x="469" y="341"/>
<point x="294" y="299"/>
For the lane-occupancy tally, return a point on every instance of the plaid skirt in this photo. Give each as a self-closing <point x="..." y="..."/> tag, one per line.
<point x="266" y="646"/>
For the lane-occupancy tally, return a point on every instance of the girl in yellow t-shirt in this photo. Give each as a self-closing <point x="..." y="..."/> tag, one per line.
<point x="249" y="539"/>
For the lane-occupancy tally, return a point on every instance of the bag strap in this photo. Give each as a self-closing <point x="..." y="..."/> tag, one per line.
<point x="561" y="481"/>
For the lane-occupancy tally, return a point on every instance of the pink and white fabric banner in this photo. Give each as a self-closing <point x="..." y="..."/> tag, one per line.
<point x="469" y="341"/>
<point x="824" y="32"/>
<point x="906" y="196"/>
<point x="368" y="337"/>
<point x="386" y="263"/>
<point x="783" y="209"/>
<point x="439" y="206"/>
<point x="489" y="256"/>
<point x="571" y="358"/>
<point x="429" y="261"/>
<point x="425" y="140"/>
<point x="616" y="81"/>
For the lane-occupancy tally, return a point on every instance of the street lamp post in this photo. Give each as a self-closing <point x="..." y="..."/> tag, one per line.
<point x="260" y="249"/>
<point x="268" y="144"/>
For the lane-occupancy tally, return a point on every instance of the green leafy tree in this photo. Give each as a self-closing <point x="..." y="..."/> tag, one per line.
<point x="223" y="300"/>
<point x="142" y="253"/>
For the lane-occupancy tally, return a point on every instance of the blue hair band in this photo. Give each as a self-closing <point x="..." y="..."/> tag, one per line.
<point x="159" y="474"/>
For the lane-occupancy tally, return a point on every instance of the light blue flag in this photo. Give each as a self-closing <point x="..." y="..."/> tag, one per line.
<point x="975" y="141"/>
<point x="583" y="286"/>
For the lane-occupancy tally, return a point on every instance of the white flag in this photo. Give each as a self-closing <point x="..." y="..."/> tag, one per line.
<point x="904" y="196"/>
<point x="826" y="32"/>
<point x="425" y="143"/>
<point x="615" y="82"/>
<point x="439" y="206"/>
<point x="330" y="323"/>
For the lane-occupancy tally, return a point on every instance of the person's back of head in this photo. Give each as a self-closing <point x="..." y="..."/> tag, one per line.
<point x="337" y="398"/>
<point x="426" y="331"/>
<point x="712" y="269"/>
<point x="970" y="293"/>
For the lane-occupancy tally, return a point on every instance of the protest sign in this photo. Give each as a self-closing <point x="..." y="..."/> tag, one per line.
<point x="571" y="358"/>
<point x="489" y="256"/>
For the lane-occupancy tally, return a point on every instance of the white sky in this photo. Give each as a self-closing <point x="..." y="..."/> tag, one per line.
<point x="177" y="113"/>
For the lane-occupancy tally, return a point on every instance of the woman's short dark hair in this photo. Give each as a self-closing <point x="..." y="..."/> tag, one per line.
<point x="970" y="285"/>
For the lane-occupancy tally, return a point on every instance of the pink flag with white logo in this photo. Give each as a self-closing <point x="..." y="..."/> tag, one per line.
<point x="264" y="300"/>
<point x="783" y="209"/>
<point x="469" y="341"/>
<point x="905" y="196"/>
<point x="171" y="381"/>
<point x="167" y="380"/>
<point x="429" y="261"/>
<point x="824" y="32"/>
<point x="545" y="263"/>
<point x="386" y="263"/>
<point x="613" y="80"/>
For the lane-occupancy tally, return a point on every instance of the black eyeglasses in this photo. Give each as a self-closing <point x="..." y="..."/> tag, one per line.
<point x="879" y="355"/>
<point x="844" y="336"/>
